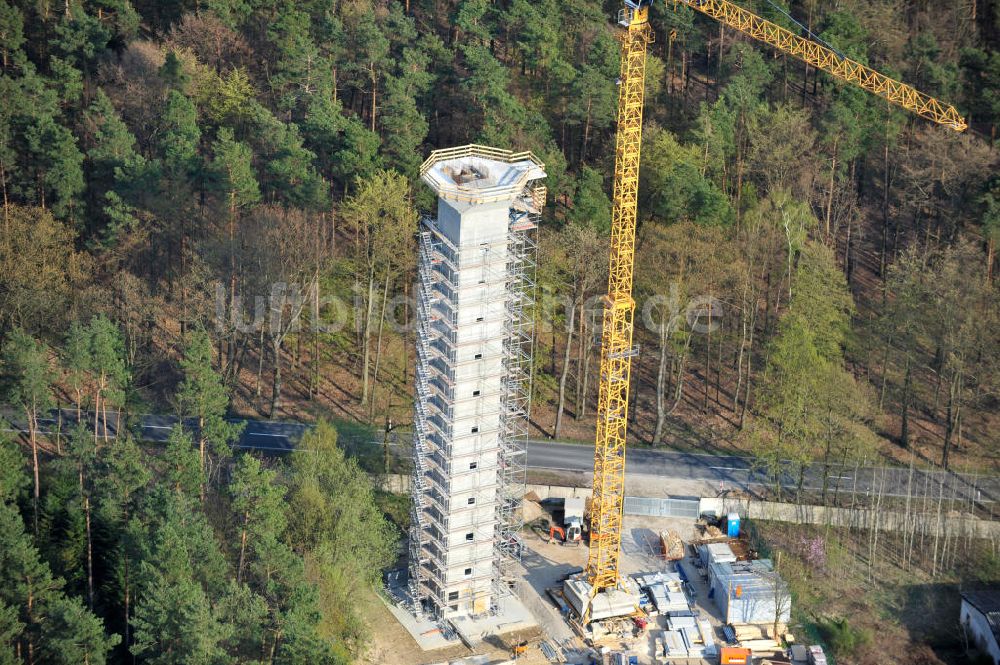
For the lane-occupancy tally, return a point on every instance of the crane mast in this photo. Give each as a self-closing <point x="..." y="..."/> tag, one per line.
<point x="619" y="310"/>
<point x="617" y="348"/>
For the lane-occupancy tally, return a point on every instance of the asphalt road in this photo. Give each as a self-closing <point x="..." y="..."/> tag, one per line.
<point x="731" y="471"/>
<point x="736" y="471"/>
<point x="265" y="435"/>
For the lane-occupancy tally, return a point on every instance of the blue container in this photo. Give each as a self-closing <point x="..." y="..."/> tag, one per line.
<point x="733" y="525"/>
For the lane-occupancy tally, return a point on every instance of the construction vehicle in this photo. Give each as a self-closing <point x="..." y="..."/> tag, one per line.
<point x="735" y="656"/>
<point x="571" y="531"/>
<point x="617" y="349"/>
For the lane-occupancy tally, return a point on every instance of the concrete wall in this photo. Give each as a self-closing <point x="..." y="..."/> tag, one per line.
<point x="947" y="523"/>
<point x="979" y="632"/>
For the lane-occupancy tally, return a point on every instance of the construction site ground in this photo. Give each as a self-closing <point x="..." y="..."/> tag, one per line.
<point x="545" y="565"/>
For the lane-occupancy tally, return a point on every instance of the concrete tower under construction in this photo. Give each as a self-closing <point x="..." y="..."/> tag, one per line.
<point x="476" y="270"/>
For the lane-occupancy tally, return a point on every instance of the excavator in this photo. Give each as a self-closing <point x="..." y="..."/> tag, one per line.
<point x="617" y="349"/>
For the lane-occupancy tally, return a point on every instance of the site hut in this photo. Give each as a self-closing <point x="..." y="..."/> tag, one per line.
<point x="980" y="617"/>
<point x="476" y="272"/>
<point x="750" y="592"/>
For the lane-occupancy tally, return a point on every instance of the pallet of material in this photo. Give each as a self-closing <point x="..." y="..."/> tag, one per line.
<point x="707" y="638"/>
<point x="674" y="645"/>
<point x="680" y="620"/>
<point x="671" y="545"/>
<point x="747" y="632"/>
<point x="758" y="646"/>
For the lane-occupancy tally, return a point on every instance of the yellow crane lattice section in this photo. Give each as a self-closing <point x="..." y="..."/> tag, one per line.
<point x="619" y="309"/>
<point x="828" y="60"/>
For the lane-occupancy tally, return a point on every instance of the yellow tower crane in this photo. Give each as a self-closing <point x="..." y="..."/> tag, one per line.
<point x="617" y="349"/>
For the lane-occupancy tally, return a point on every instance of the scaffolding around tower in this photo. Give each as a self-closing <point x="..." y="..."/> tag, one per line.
<point x="476" y="272"/>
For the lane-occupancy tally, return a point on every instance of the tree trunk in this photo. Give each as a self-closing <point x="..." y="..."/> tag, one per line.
<point x="661" y="381"/>
<point x="243" y="547"/>
<point x="588" y="355"/>
<point x="586" y="132"/>
<point x="32" y="436"/>
<point x="97" y="414"/>
<point x="581" y="353"/>
<point x="366" y="351"/>
<point x="378" y="348"/>
<point x="708" y="359"/>
<point x="276" y="385"/>
<point x="201" y="455"/>
<point x="565" y="367"/>
<point x="833" y="184"/>
<point x="90" y="550"/>
<point x="904" y="430"/>
<point x="374" y="79"/>
<point x="314" y="375"/>
<point x="949" y="425"/>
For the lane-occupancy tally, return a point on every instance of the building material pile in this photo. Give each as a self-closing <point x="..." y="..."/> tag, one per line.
<point x="605" y="605"/>
<point x="712" y="531"/>
<point x="716" y="553"/>
<point x="688" y="637"/>
<point x="671" y="545"/>
<point x="665" y="590"/>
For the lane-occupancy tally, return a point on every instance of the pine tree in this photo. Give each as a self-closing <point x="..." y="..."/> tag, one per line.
<point x="26" y="381"/>
<point x="202" y="395"/>
<point x="116" y="169"/>
<point x="109" y="370"/>
<point x="183" y="468"/>
<point x="258" y="503"/>
<point x="178" y="142"/>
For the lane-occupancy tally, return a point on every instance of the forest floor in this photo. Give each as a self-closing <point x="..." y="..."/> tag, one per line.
<point x="895" y="615"/>
<point x="704" y="420"/>
<point x="691" y="428"/>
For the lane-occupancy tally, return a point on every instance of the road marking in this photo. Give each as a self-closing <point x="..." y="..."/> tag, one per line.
<point x="555" y="468"/>
<point x="157" y="426"/>
<point x="283" y="436"/>
<point x="841" y="477"/>
<point x="728" y="468"/>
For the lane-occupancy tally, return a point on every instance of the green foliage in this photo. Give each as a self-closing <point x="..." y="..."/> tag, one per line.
<point x="673" y="185"/>
<point x="345" y="149"/>
<point x="179" y="134"/>
<point x="381" y="215"/>
<point x="26" y="376"/>
<point x="13" y="480"/>
<point x="591" y="206"/>
<point x="38" y="270"/>
<point x="810" y="407"/>
<point x="232" y="171"/>
<point x="289" y="174"/>
<point x="11" y="35"/>
<point x="337" y="522"/>
<point x="58" y="626"/>
<point x="107" y="360"/>
<point x="257" y="498"/>
<point x="843" y="637"/>
<point x="116" y="170"/>
<point x="182" y="468"/>
<point x="180" y="570"/>
<point x="202" y="395"/>
<point x="981" y="72"/>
